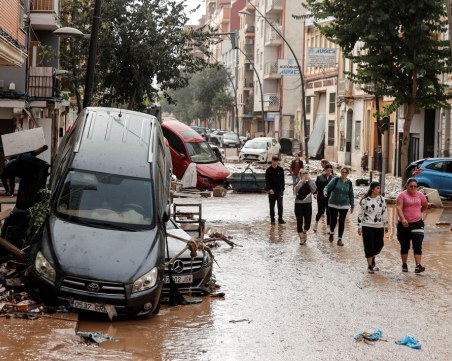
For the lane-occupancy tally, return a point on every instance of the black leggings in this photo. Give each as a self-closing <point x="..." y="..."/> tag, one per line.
<point x="303" y="213"/>
<point x="413" y="233"/>
<point x="333" y="220"/>
<point x="372" y="240"/>
<point x="322" y="207"/>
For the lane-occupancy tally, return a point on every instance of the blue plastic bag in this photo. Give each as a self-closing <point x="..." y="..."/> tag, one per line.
<point x="409" y="341"/>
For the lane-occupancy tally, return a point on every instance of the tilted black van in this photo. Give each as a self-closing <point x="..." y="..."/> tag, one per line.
<point x="103" y="246"/>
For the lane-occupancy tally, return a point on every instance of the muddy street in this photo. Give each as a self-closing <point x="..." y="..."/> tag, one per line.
<point x="283" y="301"/>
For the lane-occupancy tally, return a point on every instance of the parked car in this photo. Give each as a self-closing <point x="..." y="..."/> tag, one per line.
<point x="434" y="173"/>
<point x="190" y="275"/>
<point x="216" y="136"/>
<point x="187" y="146"/>
<point x="103" y="246"/>
<point x="260" y="149"/>
<point x="202" y="130"/>
<point x="230" y="140"/>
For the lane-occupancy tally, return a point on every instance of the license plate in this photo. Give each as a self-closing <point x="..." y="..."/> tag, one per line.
<point x="88" y="306"/>
<point x="179" y="279"/>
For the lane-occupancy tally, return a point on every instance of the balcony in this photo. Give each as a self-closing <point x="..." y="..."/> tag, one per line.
<point x="13" y="53"/>
<point x="272" y="102"/>
<point x="247" y="84"/>
<point x="248" y="110"/>
<point x="273" y="38"/>
<point x="344" y="88"/>
<point x="271" y="70"/>
<point x="274" y="6"/>
<point x="40" y="82"/>
<point x="44" y="15"/>
<point x="250" y="31"/>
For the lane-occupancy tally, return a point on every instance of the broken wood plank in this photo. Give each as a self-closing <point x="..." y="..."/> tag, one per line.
<point x="12" y="248"/>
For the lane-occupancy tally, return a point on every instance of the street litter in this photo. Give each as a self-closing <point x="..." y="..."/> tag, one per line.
<point x="369" y="337"/>
<point x="94" y="337"/>
<point x="409" y="341"/>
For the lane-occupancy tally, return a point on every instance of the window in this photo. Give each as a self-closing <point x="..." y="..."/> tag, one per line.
<point x="105" y="200"/>
<point x="436" y="166"/>
<point x="21" y="14"/>
<point x="331" y="132"/>
<point x="174" y="141"/>
<point x="358" y="134"/>
<point x="308" y="126"/>
<point x="332" y="102"/>
<point x="308" y="105"/>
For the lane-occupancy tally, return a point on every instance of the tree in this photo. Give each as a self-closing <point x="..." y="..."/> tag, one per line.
<point x="401" y="51"/>
<point x="144" y="49"/>
<point x="204" y="97"/>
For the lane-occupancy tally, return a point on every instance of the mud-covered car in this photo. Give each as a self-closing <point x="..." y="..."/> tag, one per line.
<point x="190" y="276"/>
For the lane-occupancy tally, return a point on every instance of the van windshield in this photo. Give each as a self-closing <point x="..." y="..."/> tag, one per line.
<point x="103" y="199"/>
<point x="200" y="152"/>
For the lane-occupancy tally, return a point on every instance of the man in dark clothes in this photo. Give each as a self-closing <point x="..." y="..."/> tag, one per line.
<point x="274" y="179"/>
<point x="19" y="167"/>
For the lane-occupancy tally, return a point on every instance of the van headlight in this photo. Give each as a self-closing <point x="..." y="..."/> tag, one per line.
<point x="44" y="268"/>
<point x="146" y="281"/>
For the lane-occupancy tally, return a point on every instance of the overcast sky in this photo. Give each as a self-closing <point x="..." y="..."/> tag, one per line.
<point x="194" y="18"/>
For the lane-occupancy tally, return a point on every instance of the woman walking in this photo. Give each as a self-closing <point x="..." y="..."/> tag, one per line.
<point x="372" y="224"/>
<point x="341" y="199"/>
<point x="410" y="227"/>
<point x="303" y="204"/>
<point x="322" y="202"/>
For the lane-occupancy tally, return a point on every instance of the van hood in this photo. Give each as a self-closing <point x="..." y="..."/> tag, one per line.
<point x="215" y="171"/>
<point x="101" y="254"/>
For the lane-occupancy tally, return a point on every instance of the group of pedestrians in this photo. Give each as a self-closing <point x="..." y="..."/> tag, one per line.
<point x="335" y="197"/>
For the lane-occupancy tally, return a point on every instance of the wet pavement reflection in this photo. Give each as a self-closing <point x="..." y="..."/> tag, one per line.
<point x="285" y="301"/>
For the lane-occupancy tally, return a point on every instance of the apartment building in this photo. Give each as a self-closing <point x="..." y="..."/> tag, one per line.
<point x="28" y="81"/>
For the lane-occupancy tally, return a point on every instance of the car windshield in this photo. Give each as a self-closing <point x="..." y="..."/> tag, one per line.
<point x="230" y="136"/>
<point x="200" y="152"/>
<point x="105" y="199"/>
<point x="256" y="144"/>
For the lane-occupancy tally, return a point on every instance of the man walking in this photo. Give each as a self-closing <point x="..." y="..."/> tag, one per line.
<point x="274" y="179"/>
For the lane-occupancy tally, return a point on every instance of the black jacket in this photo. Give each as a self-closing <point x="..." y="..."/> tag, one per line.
<point x="321" y="181"/>
<point x="274" y="179"/>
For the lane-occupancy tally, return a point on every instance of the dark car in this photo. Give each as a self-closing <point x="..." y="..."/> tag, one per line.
<point x="190" y="275"/>
<point x="103" y="247"/>
<point x="434" y="173"/>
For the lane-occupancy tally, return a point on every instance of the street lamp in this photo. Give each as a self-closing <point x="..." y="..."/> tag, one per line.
<point x="260" y="84"/>
<point x="75" y="33"/>
<point x="305" y="128"/>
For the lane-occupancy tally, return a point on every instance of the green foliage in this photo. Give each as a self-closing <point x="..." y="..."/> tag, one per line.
<point x="38" y="214"/>
<point x="205" y="96"/>
<point x="400" y="52"/>
<point x="143" y="49"/>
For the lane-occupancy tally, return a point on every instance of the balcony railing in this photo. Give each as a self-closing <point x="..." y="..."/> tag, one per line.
<point x="273" y="38"/>
<point x="274" y="6"/>
<point x="272" y="101"/>
<point x="271" y="70"/>
<point x="40" y="82"/>
<point x="44" y="15"/>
